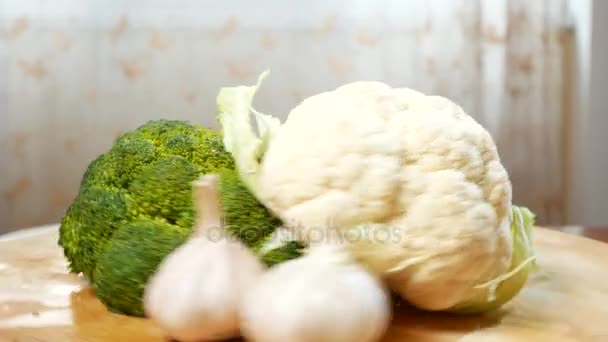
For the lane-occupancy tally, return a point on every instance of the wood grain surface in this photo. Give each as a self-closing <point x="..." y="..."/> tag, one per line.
<point x="567" y="301"/>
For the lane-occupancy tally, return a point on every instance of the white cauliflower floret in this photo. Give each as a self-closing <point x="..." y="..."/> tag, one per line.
<point x="368" y="153"/>
<point x="341" y="164"/>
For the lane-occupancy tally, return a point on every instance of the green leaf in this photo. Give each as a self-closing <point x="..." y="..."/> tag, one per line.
<point x="522" y="224"/>
<point x="240" y="139"/>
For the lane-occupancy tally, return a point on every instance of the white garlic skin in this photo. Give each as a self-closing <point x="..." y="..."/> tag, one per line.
<point x="196" y="291"/>
<point x="320" y="297"/>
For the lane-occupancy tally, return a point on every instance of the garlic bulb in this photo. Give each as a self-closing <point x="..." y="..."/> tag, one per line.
<point x="195" y="293"/>
<point x="323" y="296"/>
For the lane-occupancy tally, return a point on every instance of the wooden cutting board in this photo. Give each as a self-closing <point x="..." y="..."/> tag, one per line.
<point x="567" y="301"/>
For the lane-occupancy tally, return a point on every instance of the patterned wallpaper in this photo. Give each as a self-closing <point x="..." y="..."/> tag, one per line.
<point x="75" y="74"/>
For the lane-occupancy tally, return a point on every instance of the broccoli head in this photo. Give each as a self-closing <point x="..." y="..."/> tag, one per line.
<point x="135" y="206"/>
<point x="157" y="159"/>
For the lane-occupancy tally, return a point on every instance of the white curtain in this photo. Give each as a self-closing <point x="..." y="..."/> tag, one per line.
<point x="74" y="74"/>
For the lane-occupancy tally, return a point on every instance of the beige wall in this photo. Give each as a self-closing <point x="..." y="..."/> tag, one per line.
<point x="588" y="191"/>
<point x="74" y="74"/>
<point x="594" y="163"/>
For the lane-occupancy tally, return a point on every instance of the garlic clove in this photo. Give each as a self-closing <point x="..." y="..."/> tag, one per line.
<point x="196" y="291"/>
<point x="323" y="296"/>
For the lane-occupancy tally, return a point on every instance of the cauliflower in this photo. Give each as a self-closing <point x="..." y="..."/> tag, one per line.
<point x="413" y="183"/>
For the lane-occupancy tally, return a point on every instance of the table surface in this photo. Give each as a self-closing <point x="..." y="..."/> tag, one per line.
<point x="595" y="233"/>
<point x="566" y="301"/>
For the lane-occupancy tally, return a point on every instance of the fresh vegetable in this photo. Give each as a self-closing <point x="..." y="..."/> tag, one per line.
<point x="323" y="296"/>
<point x="196" y="292"/>
<point x="411" y="181"/>
<point x="114" y="188"/>
<point x="143" y="182"/>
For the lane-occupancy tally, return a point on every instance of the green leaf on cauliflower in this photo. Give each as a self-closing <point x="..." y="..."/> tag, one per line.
<point x="240" y="139"/>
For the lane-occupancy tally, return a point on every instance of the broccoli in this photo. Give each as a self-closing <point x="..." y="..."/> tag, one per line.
<point x="89" y="222"/>
<point x="143" y="243"/>
<point x="241" y="210"/>
<point x="163" y="191"/>
<point x="287" y="251"/>
<point x="105" y="202"/>
<point x="135" y="205"/>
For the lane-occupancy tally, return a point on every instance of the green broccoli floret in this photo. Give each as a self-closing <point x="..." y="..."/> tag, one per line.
<point x="249" y="221"/>
<point x="287" y="251"/>
<point x="88" y="223"/>
<point x="244" y="217"/>
<point x="131" y="257"/>
<point x="163" y="191"/>
<point x="135" y="205"/>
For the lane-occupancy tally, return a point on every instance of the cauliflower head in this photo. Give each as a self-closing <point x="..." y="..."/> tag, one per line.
<point x="368" y="154"/>
<point x="414" y="184"/>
